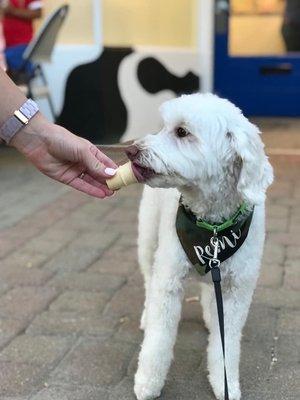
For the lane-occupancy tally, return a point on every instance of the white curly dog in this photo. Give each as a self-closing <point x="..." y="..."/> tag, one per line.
<point x="211" y="155"/>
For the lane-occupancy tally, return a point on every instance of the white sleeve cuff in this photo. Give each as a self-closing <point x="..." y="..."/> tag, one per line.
<point x="35" y="5"/>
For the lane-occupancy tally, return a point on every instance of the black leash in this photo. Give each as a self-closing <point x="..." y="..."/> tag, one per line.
<point x="214" y="264"/>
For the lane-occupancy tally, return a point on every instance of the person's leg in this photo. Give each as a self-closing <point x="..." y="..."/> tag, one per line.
<point x="291" y="36"/>
<point x="15" y="62"/>
<point x="14" y="56"/>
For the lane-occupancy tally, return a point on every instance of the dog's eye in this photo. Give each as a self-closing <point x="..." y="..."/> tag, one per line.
<point x="181" y="132"/>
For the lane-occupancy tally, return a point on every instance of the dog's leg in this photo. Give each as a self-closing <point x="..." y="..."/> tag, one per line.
<point x="147" y="241"/>
<point x="236" y="305"/>
<point x="163" y="314"/>
<point x="206" y="295"/>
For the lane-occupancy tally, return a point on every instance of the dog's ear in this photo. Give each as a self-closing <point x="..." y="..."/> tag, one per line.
<point x="256" y="173"/>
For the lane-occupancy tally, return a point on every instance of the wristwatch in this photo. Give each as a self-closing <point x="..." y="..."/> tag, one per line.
<point x="19" y="119"/>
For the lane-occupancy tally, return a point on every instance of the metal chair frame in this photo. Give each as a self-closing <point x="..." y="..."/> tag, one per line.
<point x="40" y="50"/>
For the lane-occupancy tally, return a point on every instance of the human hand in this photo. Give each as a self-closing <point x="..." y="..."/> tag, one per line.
<point x="65" y="157"/>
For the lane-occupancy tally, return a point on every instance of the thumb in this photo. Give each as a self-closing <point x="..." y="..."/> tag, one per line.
<point x="96" y="168"/>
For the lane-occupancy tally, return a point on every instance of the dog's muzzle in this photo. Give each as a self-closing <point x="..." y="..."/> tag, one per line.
<point x="142" y="173"/>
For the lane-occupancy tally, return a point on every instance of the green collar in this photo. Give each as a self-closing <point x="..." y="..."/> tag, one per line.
<point x="227" y="224"/>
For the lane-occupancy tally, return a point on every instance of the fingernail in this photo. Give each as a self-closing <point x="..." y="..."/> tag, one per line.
<point x="110" y="171"/>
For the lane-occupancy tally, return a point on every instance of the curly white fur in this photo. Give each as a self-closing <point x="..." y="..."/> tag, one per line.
<point x="216" y="167"/>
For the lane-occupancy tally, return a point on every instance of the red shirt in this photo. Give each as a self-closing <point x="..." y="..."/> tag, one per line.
<point x="19" y="30"/>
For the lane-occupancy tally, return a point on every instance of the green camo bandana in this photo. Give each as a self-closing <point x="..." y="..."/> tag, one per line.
<point x="195" y="236"/>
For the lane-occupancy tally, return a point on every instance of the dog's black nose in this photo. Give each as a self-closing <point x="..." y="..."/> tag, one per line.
<point x="132" y="152"/>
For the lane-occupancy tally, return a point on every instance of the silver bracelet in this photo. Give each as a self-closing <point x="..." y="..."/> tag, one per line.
<point x="19" y="119"/>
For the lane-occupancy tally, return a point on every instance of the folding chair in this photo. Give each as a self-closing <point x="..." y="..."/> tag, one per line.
<point x="39" y="51"/>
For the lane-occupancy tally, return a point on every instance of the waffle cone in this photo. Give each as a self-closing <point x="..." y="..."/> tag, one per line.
<point x="123" y="177"/>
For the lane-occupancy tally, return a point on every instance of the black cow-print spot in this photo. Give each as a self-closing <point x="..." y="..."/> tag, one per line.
<point x="93" y="105"/>
<point x="154" y="77"/>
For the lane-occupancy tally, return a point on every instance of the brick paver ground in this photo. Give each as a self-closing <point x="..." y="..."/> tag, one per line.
<point x="71" y="296"/>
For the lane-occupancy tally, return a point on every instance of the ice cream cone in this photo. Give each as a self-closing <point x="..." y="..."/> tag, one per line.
<point x="123" y="177"/>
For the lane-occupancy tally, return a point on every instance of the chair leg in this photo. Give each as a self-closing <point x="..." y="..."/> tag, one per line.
<point x="29" y="93"/>
<point x="51" y="106"/>
<point x="50" y="102"/>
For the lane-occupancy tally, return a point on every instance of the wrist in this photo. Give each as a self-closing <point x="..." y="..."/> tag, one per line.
<point x="31" y="135"/>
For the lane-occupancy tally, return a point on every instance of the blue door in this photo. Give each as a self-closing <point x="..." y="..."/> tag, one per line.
<point x="261" y="85"/>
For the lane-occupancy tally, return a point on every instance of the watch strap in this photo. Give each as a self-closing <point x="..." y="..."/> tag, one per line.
<point x="20" y="118"/>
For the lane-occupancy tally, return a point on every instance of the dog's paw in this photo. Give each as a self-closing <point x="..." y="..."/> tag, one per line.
<point x="145" y="392"/>
<point x="146" y="389"/>
<point x="217" y="384"/>
<point x="234" y="393"/>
